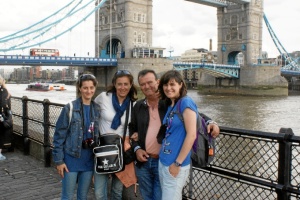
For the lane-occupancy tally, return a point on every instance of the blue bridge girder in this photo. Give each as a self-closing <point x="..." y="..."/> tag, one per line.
<point x="219" y="3"/>
<point x="224" y="71"/>
<point x="291" y="73"/>
<point x="57" y="61"/>
<point x="216" y="70"/>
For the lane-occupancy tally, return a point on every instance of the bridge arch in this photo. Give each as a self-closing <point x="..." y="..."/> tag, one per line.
<point x="235" y="58"/>
<point x="116" y="47"/>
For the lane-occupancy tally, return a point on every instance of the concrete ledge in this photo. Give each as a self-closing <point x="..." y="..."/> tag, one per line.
<point x="247" y="91"/>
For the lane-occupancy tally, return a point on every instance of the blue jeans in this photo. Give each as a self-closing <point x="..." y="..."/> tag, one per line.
<point x="148" y="179"/>
<point x="100" y="181"/>
<point x="172" y="186"/>
<point x="69" y="183"/>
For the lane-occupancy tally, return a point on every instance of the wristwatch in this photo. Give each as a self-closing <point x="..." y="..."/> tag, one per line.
<point x="177" y="164"/>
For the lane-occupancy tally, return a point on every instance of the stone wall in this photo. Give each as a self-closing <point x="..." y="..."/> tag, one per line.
<point x="262" y="76"/>
<point x="159" y="65"/>
<point x="254" y="80"/>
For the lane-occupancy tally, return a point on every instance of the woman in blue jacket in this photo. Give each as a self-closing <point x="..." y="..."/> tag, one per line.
<point x="73" y="139"/>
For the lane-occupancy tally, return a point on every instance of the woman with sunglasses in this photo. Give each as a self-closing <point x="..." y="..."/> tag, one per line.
<point x="113" y="104"/>
<point x="174" y="156"/>
<point x="73" y="139"/>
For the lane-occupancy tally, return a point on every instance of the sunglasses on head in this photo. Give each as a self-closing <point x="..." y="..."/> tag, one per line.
<point x="84" y="77"/>
<point x="122" y="72"/>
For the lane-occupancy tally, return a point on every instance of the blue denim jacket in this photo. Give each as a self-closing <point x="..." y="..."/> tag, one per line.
<point x="68" y="136"/>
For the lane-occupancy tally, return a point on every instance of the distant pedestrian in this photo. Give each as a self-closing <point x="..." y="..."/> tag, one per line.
<point x="5" y="118"/>
<point x="73" y="140"/>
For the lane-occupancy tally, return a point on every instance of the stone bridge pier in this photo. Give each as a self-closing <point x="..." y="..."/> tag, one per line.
<point x="133" y="65"/>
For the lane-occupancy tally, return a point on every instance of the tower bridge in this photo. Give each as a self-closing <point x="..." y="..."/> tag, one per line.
<point x="121" y="26"/>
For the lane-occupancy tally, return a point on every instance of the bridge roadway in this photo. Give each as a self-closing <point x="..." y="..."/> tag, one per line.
<point x="57" y="61"/>
<point x="216" y="70"/>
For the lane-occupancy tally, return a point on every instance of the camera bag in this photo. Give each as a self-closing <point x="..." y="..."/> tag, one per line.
<point x="109" y="154"/>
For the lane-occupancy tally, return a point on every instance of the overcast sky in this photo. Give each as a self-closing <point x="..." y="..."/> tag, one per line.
<point x="176" y="23"/>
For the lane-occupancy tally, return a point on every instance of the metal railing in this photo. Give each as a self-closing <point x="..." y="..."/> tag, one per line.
<point x="247" y="165"/>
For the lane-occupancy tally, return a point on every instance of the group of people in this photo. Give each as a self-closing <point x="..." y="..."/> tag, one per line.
<point x="5" y="118"/>
<point x="160" y="169"/>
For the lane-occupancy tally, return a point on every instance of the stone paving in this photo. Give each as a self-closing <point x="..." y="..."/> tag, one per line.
<point x="25" y="177"/>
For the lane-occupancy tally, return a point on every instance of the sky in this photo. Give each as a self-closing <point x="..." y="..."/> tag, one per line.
<point x="179" y="24"/>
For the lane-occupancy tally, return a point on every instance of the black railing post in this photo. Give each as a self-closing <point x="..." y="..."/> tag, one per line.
<point x="284" y="164"/>
<point x="47" y="149"/>
<point x="26" y="141"/>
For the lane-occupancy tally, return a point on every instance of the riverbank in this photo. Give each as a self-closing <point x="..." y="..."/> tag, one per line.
<point x="266" y="113"/>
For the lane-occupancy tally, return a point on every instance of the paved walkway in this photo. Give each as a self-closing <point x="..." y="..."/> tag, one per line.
<point x="24" y="177"/>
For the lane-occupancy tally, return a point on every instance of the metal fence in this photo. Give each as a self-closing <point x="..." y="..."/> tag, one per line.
<point x="248" y="164"/>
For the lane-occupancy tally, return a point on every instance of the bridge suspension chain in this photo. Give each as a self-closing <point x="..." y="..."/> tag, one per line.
<point x="292" y="64"/>
<point x="34" y="35"/>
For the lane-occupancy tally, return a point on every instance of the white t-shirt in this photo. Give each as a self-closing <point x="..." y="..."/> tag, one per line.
<point x="107" y="115"/>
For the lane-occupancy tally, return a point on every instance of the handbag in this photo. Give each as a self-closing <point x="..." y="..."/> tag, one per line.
<point x="6" y="119"/>
<point x="161" y="133"/>
<point x="109" y="155"/>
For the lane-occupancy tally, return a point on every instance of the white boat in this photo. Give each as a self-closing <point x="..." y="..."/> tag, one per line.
<point x="57" y="86"/>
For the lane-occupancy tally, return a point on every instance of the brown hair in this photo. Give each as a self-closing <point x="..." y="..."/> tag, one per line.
<point x="121" y="73"/>
<point x="82" y="78"/>
<point x="166" y="77"/>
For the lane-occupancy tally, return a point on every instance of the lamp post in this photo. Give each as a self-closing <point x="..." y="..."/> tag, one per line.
<point x="98" y="29"/>
<point x="110" y="31"/>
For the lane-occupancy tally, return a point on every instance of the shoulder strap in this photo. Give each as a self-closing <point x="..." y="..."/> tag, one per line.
<point x="70" y="112"/>
<point x="178" y="109"/>
<point x="128" y="110"/>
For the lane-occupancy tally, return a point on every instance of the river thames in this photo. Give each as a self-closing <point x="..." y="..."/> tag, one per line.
<point x="247" y="112"/>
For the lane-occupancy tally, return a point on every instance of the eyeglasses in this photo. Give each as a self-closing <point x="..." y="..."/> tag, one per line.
<point x="122" y="72"/>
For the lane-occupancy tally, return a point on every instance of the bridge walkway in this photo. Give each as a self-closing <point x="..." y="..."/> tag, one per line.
<point x="25" y="177"/>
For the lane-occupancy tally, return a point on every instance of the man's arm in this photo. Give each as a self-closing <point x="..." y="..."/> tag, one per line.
<point x="212" y="126"/>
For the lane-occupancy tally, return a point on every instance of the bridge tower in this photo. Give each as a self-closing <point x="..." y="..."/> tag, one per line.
<point x="240" y="30"/>
<point x="122" y="25"/>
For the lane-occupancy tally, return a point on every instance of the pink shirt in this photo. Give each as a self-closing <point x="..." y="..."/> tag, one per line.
<point x="152" y="146"/>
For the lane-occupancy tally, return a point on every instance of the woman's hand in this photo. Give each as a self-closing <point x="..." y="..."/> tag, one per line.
<point x="174" y="170"/>
<point x="61" y="168"/>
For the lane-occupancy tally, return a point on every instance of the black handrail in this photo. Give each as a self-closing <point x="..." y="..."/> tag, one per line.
<point x="248" y="164"/>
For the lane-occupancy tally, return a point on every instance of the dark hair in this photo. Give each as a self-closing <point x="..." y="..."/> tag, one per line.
<point x="146" y="71"/>
<point x="82" y="78"/>
<point x="121" y="73"/>
<point x="166" y="77"/>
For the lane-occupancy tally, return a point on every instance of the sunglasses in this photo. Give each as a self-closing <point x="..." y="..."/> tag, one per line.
<point x="85" y="77"/>
<point x="122" y="72"/>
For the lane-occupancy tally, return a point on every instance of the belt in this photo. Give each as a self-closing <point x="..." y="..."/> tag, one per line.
<point x="155" y="156"/>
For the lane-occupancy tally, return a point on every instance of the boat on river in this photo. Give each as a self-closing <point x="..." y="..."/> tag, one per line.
<point x="45" y="87"/>
<point x="38" y="87"/>
<point x="57" y="86"/>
